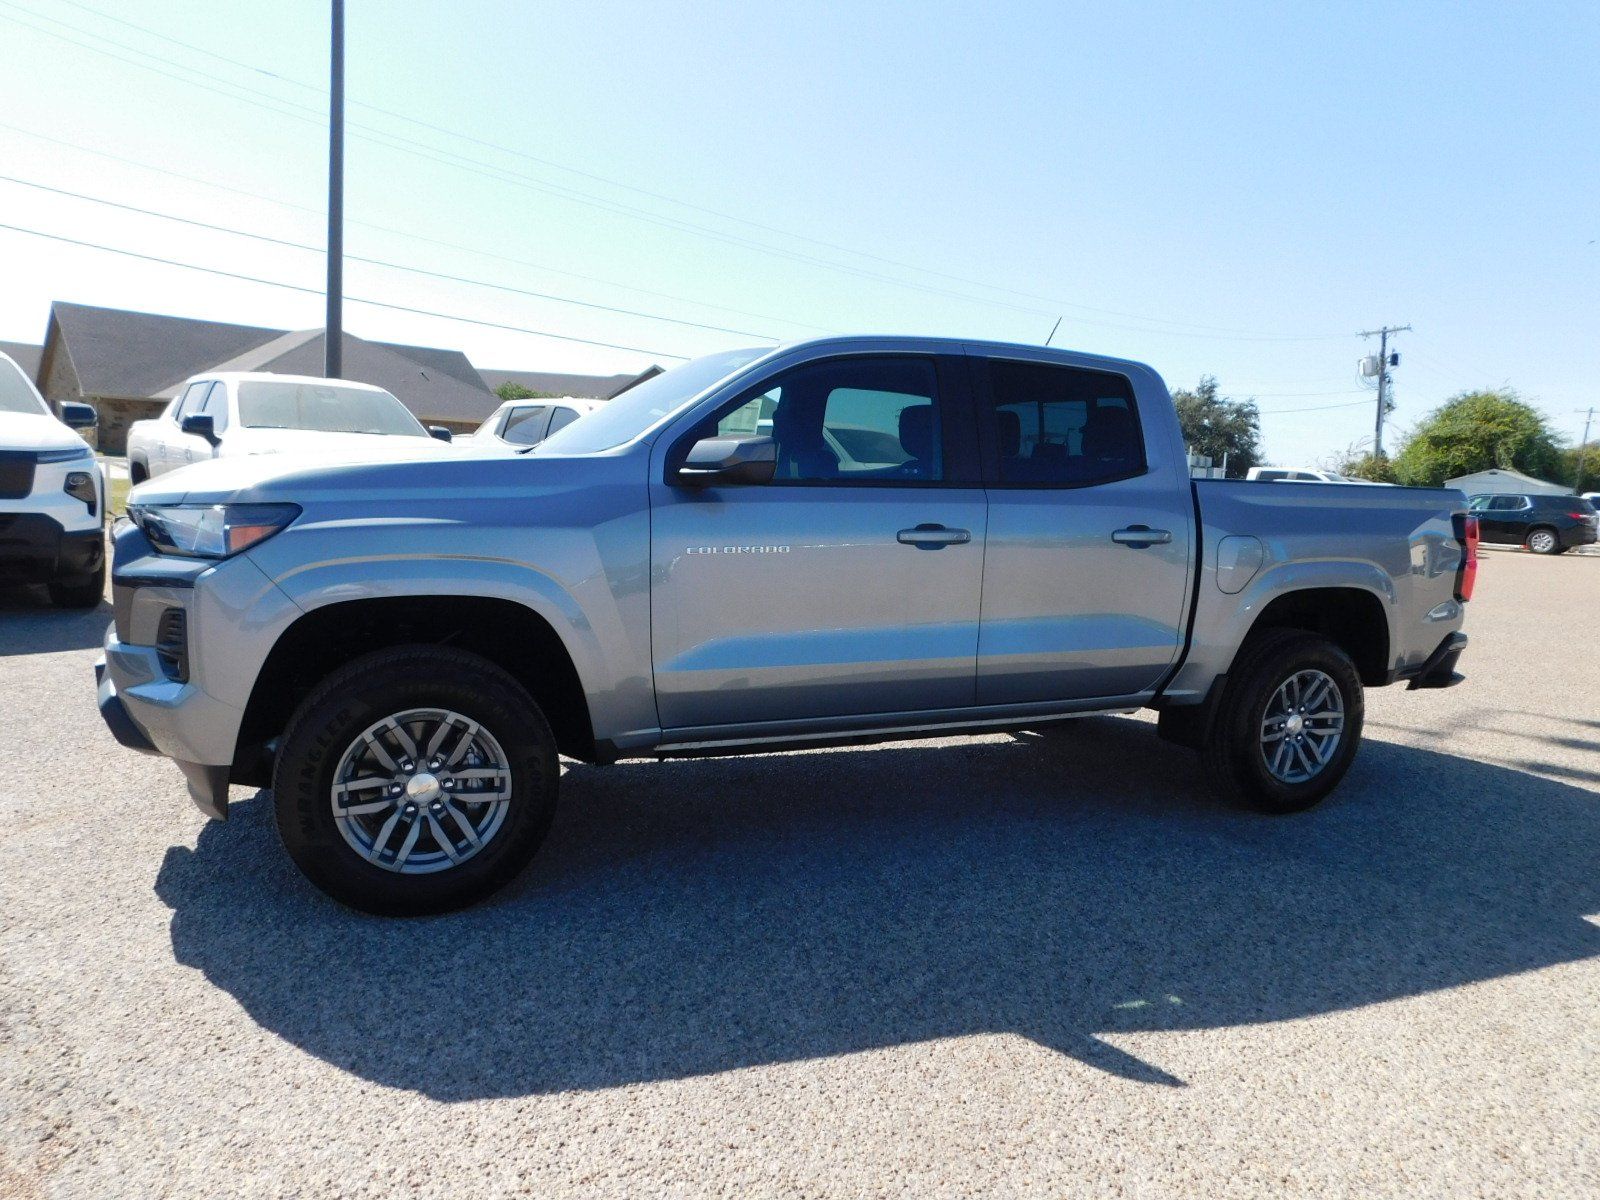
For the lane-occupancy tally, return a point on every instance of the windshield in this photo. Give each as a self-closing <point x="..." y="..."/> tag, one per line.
<point x="640" y="407"/>
<point x="16" y="393"/>
<point x="327" y="408"/>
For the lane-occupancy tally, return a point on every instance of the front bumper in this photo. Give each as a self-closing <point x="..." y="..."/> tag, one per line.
<point x="34" y="548"/>
<point x="207" y="783"/>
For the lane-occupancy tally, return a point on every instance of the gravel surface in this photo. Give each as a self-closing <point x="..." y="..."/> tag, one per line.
<point x="1012" y="966"/>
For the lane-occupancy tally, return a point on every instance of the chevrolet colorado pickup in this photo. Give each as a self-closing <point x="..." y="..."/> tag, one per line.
<point x="844" y="540"/>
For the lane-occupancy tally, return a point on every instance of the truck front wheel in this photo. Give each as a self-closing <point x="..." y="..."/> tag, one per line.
<point x="415" y="780"/>
<point x="1288" y="723"/>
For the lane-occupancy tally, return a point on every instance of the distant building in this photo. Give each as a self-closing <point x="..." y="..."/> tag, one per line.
<point x="25" y="355"/>
<point x="1500" y="481"/>
<point x="552" y="383"/>
<point x="129" y="364"/>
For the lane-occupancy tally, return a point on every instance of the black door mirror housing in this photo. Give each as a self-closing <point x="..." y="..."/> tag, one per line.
<point x="729" y="461"/>
<point x="77" y="415"/>
<point x="440" y="432"/>
<point x="201" y="425"/>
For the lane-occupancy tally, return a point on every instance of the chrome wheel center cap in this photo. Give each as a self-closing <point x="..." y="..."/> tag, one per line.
<point x="1295" y="725"/>
<point x="422" y="788"/>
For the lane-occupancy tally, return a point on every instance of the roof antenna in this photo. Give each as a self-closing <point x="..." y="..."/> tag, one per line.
<point x="1053" y="329"/>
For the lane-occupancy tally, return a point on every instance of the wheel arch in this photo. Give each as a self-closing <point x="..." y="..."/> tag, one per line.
<point x="1353" y="618"/>
<point x="507" y="633"/>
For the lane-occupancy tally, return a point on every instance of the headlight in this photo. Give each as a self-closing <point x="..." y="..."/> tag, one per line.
<point x="211" y="530"/>
<point x="80" y="486"/>
<point x="72" y="455"/>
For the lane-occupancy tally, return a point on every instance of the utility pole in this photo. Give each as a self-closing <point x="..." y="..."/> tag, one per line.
<point x="1583" y="449"/>
<point x="333" y="327"/>
<point x="1383" y="380"/>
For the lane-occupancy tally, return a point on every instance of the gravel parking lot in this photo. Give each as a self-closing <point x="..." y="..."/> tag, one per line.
<point x="1000" y="965"/>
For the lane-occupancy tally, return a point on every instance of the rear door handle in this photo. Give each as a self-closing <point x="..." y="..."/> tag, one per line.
<point x="1142" y="535"/>
<point x="931" y="537"/>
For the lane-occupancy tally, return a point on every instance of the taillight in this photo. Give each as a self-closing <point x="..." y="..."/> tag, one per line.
<point x="1581" y="516"/>
<point x="1466" y="527"/>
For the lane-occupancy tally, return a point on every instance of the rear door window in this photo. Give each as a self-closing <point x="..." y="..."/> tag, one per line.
<point x="1059" y="426"/>
<point x="560" y="418"/>
<point x="527" y="426"/>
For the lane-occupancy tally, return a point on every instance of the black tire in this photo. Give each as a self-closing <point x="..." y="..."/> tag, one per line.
<point x="393" y="681"/>
<point x="1539" y="543"/>
<point x="137" y="473"/>
<point x="80" y="593"/>
<point x="1234" y="758"/>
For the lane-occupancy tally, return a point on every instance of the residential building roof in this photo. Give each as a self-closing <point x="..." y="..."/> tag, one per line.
<point x="586" y="387"/>
<point x="428" y="391"/>
<point x="25" y="355"/>
<point x="1504" y="479"/>
<point x="130" y="354"/>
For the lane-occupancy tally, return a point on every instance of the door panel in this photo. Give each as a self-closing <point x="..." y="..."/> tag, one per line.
<point x="1069" y="613"/>
<point x="847" y="586"/>
<point x="1088" y="550"/>
<point x="779" y="603"/>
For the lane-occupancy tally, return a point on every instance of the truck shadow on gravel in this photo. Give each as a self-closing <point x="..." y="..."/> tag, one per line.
<point x="694" y="917"/>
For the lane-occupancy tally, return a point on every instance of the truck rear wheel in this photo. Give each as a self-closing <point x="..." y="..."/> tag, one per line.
<point x="1288" y="723"/>
<point x="415" y="780"/>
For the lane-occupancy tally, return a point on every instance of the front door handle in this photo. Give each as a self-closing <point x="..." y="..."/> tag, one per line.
<point x="1142" y="535"/>
<point x="931" y="537"/>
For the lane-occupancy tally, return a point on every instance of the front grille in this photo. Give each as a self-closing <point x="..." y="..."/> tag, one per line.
<point x="172" y="644"/>
<point x="16" y="474"/>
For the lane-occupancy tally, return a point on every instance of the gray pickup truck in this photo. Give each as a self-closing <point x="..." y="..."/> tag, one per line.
<point x="844" y="540"/>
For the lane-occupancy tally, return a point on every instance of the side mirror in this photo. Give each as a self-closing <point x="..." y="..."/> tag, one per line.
<point x="440" y="432"/>
<point x="722" y="461"/>
<point x="78" y="416"/>
<point x="201" y="425"/>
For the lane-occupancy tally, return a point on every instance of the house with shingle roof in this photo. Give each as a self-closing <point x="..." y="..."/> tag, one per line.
<point x="129" y="364"/>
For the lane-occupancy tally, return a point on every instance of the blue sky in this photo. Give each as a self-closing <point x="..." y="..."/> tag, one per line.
<point x="1232" y="189"/>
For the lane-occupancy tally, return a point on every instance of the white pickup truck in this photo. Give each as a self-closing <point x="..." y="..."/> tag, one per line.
<point x="231" y="413"/>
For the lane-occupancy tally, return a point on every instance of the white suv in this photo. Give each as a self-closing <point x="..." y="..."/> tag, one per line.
<point x="52" y="495"/>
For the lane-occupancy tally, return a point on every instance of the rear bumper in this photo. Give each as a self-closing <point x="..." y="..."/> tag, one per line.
<point x="34" y="548"/>
<point x="1578" y="535"/>
<point x="1439" y="671"/>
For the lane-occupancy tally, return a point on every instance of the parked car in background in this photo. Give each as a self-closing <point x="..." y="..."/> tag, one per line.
<point x="518" y="424"/>
<point x="1303" y="475"/>
<point x="52" y="495"/>
<point x="758" y="549"/>
<point x="234" y="413"/>
<point x="1544" y="524"/>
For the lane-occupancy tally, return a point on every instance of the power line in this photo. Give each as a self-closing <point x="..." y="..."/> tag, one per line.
<point x="502" y="175"/>
<point x="310" y="291"/>
<point x="389" y="229"/>
<point x="378" y="262"/>
<point x="460" y="135"/>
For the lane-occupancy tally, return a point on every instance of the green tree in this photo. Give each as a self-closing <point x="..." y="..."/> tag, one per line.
<point x="1214" y="425"/>
<point x="1580" y="466"/>
<point x="1474" y="431"/>
<point x="1364" y="464"/>
<point x="512" y="390"/>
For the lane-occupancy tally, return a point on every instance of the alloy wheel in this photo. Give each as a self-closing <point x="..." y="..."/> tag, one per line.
<point x="1302" y="726"/>
<point x="421" y="791"/>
